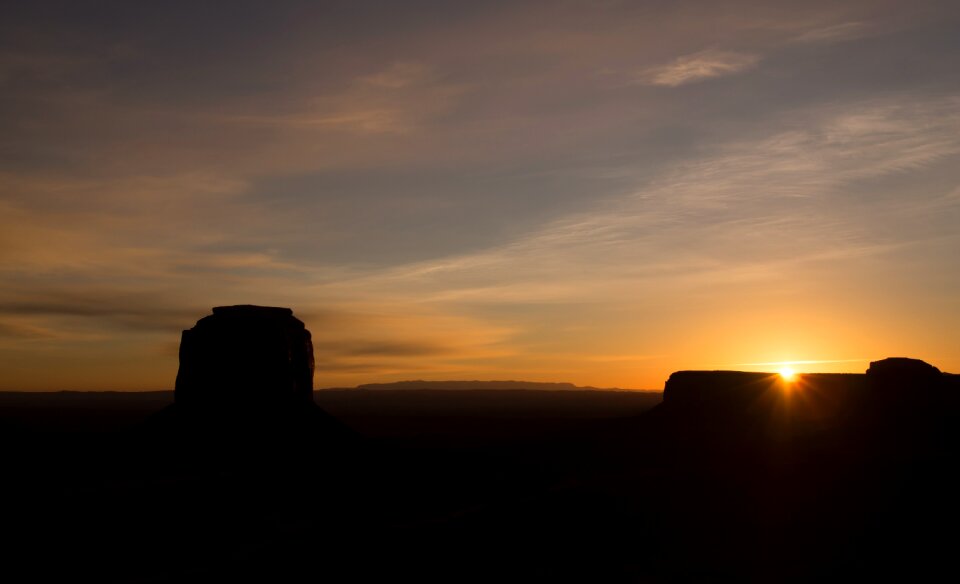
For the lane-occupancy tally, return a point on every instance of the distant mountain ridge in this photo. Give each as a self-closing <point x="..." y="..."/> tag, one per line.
<point x="484" y="385"/>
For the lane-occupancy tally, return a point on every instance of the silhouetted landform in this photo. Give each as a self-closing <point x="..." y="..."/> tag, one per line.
<point x="246" y="370"/>
<point x="830" y="476"/>
<point x="727" y="389"/>
<point x="886" y="380"/>
<point x="897" y="382"/>
<point x="734" y="477"/>
<point x="245" y="356"/>
<point x="903" y="369"/>
<point x="482" y="385"/>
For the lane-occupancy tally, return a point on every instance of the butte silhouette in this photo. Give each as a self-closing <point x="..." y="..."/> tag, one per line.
<point x="247" y="372"/>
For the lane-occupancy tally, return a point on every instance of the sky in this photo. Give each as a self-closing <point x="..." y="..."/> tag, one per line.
<point x="597" y="192"/>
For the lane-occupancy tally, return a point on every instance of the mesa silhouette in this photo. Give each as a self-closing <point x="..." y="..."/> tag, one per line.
<point x="895" y="382"/>
<point x="246" y="370"/>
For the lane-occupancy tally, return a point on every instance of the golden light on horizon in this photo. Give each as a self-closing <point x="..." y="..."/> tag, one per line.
<point x="787" y="374"/>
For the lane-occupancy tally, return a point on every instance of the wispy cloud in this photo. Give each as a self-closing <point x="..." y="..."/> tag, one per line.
<point x="131" y="310"/>
<point x="700" y="67"/>
<point x="384" y="339"/>
<point x="721" y="216"/>
<point x="11" y="329"/>
<point x="370" y="348"/>
<point x="394" y="100"/>
<point x="398" y="75"/>
<point x="835" y="33"/>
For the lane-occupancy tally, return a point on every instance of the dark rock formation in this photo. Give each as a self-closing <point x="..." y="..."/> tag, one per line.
<point x="850" y="468"/>
<point x="902" y="370"/>
<point x="718" y="389"/>
<point x="891" y="385"/>
<point x="246" y="381"/>
<point x="245" y="357"/>
<point x="899" y="382"/>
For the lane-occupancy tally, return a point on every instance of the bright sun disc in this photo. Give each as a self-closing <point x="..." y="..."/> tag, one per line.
<point x="787" y="374"/>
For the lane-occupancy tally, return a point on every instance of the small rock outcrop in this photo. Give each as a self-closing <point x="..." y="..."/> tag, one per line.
<point x="244" y="357"/>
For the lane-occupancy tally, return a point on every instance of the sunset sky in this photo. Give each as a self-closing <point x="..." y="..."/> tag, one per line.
<point x="594" y="192"/>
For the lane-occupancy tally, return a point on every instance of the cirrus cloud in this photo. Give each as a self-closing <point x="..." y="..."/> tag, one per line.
<point x="700" y="66"/>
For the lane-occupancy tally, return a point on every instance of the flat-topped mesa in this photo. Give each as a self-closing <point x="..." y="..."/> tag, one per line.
<point x="726" y="389"/>
<point x="899" y="379"/>
<point x="903" y="368"/>
<point x="895" y="382"/>
<point x="245" y="358"/>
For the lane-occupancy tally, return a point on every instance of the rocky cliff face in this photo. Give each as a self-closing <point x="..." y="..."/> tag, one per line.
<point x="243" y="357"/>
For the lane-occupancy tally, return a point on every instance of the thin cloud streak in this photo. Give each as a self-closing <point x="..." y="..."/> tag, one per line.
<point x="700" y="67"/>
<point x="800" y="362"/>
<point x="834" y="33"/>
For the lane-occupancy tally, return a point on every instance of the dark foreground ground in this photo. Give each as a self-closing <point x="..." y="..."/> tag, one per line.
<point x="480" y="486"/>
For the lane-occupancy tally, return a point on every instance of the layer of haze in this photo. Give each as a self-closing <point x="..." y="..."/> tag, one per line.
<point x="594" y="192"/>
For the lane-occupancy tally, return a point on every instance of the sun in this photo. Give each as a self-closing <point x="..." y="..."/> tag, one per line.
<point x="787" y="374"/>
